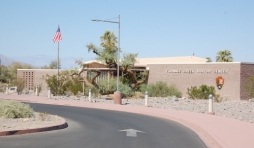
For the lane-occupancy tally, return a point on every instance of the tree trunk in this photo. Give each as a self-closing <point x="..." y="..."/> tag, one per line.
<point x="93" y="79"/>
<point x="133" y="79"/>
<point x="84" y="79"/>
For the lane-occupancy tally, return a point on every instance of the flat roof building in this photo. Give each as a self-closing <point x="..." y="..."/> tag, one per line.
<point x="183" y="72"/>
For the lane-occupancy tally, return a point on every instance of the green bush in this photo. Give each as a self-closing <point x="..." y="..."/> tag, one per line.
<point x="108" y="86"/>
<point x="14" y="109"/>
<point x="201" y="92"/>
<point x="94" y="90"/>
<point x="78" y="87"/>
<point x="75" y="86"/>
<point x="67" y="85"/>
<point x="126" y="91"/>
<point x="173" y="91"/>
<point x="58" y="87"/>
<point x="160" y="89"/>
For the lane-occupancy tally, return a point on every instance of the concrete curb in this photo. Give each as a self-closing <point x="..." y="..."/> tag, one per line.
<point x="62" y="125"/>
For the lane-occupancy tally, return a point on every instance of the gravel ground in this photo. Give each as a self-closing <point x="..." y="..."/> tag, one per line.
<point x="38" y="121"/>
<point x="237" y="109"/>
<point x="241" y="110"/>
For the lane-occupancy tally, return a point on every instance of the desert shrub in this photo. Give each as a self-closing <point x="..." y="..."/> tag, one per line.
<point x="249" y="86"/>
<point x="142" y="88"/>
<point x="108" y="86"/>
<point x="160" y="89"/>
<point x="217" y="98"/>
<point x="14" y="109"/>
<point x="126" y="91"/>
<point x="53" y="84"/>
<point x="75" y="86"/>
<point x="94" y="90"/>
<point x="60" y="86"/>
<point x="44" y="116"/>
<point x="138" y="95"/>
<point x="201" y="92"/>
<point x="77" y="89"/>
<point x="20" y="83"/>
<point x="173" y="91"/>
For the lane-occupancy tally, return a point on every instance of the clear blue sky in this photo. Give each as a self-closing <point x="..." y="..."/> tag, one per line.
<point x="151" y="28"/>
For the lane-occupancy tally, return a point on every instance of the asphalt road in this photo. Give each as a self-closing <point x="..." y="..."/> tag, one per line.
<point x="94" y="128"/>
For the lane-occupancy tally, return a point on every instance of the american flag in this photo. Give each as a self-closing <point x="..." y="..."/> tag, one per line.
<point x="57" y="36"/>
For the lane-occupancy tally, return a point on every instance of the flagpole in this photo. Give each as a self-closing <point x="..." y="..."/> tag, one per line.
<point x="57" y="39"/>
<point x="58" y="69"/>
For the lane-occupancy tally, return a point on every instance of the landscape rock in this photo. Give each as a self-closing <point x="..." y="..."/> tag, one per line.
<point x="237" y="109"/>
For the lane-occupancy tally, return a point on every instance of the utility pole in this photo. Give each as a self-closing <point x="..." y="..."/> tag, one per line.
<point x="117" y="94"/>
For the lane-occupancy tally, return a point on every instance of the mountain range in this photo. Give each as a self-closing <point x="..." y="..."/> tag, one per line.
<point x="40" y="60"/>
<point x="5" y="61"/>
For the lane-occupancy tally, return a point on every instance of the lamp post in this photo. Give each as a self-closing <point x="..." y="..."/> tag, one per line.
<point x="117" y="94"/>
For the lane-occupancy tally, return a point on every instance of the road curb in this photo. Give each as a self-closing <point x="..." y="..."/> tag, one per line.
<point x="62" y="125"/>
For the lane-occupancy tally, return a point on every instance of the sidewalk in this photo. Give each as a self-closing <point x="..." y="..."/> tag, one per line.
<point x="215" y="131"/>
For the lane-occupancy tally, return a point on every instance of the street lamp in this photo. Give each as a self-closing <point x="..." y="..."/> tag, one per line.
<point x="117" y="94"/>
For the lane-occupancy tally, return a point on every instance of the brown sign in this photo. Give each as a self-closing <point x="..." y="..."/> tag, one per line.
<point x="219" y="82"/>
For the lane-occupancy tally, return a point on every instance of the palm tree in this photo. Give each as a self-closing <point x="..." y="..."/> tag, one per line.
<point x="224" y="56"/>
<point x="208" y="59"/>
<point x="108" y="41"/>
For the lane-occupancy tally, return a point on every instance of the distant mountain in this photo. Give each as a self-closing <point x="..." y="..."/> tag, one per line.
<point x="41" y="60"/>
<point x="5" y="60"/>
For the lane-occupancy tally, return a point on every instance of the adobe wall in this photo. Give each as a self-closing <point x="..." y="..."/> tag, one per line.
<point x="40" y="73"/>
<point x="186" y="75"/>
<point x="34" y="77"/>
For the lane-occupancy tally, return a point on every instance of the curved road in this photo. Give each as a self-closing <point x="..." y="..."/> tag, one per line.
<point x="94" y="128"/>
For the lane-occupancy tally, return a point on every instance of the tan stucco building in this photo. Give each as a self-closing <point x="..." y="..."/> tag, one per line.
<point x="183" y="72"/>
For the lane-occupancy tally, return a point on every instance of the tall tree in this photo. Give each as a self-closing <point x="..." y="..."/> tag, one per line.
<point x="12" y="68"/>
<point x="224" y="56"/>
<point x="4" y="74"/>
<point x="52" y="65"/>
<point x="107" y="53"/>
<point x="209" y="59"/>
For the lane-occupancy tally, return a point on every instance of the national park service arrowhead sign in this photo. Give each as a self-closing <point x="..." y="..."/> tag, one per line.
<point x="219" y="82"/>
